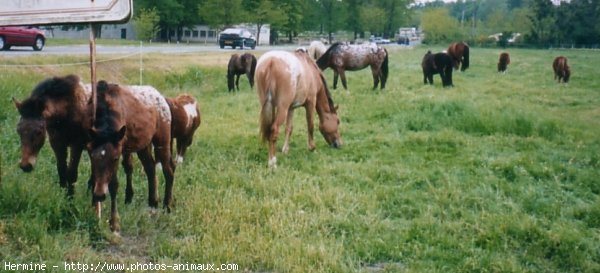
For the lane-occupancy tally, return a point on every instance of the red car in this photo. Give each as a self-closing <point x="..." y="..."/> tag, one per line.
<point x="21" y="36"/>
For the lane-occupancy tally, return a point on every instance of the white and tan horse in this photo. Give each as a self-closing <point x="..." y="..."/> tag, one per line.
<point x="284" y="82"/>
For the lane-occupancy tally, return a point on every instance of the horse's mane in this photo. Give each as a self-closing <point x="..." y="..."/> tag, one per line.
<point x="104" y="124"/>
<point x="328" y="94"/>
<point x="56" y="87"/>
<point x="323" y="61"/>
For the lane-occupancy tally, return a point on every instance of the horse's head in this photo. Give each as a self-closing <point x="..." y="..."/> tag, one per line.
<point x="32" y="132"/>
<point x="329" y="127"/>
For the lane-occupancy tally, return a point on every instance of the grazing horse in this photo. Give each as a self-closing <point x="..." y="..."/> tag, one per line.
<point x="128" y="121"/>
<point x="503" y="62"/>
<point x="186" y="119"/>
<point x="286" y="81"/>
<point x="316" y="49"/>
<point x="341" y="57"/>
<point x="59" y="106"/>
<point x="238" y="65"/>
<point x="460" y="54"/>
<point x="439" y="63"/>
<point x="562" y="71"/>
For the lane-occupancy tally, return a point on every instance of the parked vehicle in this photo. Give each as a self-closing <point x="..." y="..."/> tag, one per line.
<point x="237" y="37"/>
<point x="21" y="36"/>
<point x="379" y="40"/>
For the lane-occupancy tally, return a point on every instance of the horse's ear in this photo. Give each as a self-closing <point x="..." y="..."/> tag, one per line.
<point x="121" y="133"/>
<point x="17" y="103"/>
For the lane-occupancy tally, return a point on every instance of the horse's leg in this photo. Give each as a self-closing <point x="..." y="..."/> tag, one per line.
<point x="60" y="151"/>
<point x="288" y="130"/>
<point x="335" y="78"/>
<point x="376" y="76"/>
<point x="279" y="119"/>
<point x="343" y="77"/>
<point x="310" y="114"/>
<point x="237" y="82"/>
<point x="128" y="167"/>
<point x="145" y="157"/>
<point x="72" y="169"/>
<point x="163" y="154"/>
<point x="113" y="187"/>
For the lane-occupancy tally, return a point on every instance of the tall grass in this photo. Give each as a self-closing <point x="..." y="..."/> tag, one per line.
<point x="498" y="174"/>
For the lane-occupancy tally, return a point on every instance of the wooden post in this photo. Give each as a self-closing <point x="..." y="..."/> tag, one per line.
<point x="93" y="69"/>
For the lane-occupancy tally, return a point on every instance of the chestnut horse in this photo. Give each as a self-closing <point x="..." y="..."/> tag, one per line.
<point x="58" y="105"/>
<point x="439" y="63"/>
<point x="128" y="121"/>
<point x="316" y="49"/>
<point x="186" y="119"/>
<point x="562" y="71"/>
<point x="286" y="81"/>
<point x="460" y="54"/>
<point x="503" y="62"/>
<point x="238" y="65"/>
<point x="341" y="57"/>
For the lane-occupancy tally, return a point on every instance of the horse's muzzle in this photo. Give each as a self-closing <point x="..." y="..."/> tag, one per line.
<point x="98" y="198"/>
<point x="336" y="144"/>
<point x="26" y="167"/>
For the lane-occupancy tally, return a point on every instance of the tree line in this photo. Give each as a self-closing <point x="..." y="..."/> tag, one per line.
<point x="539" y="22"/>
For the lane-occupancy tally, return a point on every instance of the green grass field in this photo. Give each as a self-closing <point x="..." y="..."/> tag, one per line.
<point x="499" y="174"/>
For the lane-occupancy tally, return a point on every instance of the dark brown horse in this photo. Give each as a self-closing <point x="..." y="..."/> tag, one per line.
<point x="341" y="57"/>
<point x="238" y="65"/>
<point x="439" y="63"/>
<point x="503" y="62"/>
<point x="59" y="106"/>
<point x="186" y="119"/>
<point x="562" y="71"/>
<point x="285" y="81"/>
<point x="460" y="54"/>
<point x="129" y="121"/>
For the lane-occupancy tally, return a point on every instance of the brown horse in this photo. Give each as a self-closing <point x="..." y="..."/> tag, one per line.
<point x="186" y="119"/>
<point x="238" y="65"/>
<point x="439" y="63"/>
<point x="503" y="62"/>
<point x="341" y="57"/>
<point x="288" y="80"/>
<point x="127" y="121"/>
<point x="59" y="106"/>
<point x="562" y="71"/>
<point x="460" y="54"/>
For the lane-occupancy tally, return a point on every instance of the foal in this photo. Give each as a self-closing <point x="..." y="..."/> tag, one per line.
<point x="238" y="65"/>
<point x="186" y="119"/>
<point x="503" y="62"/>
<point x="128" y="121"/>
<point x="562" y="71"/>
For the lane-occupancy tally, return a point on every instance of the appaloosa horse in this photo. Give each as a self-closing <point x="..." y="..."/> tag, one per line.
<point x="503" y="62"/>
<point x="285" y="81"/>
<point x="460" y="54"/>
<point x="439" y="63"/>
<point x="60" y="106"/>
<point x="186" y="119"/>
<point x="238" y="65"/>
<point x="562" y="71"/>
<point x="129" y="121"/>
<point x="341" y="57"/>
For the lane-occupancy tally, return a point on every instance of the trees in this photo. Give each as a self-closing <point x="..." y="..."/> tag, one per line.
<point x="146" y="24"/>
<point x="263" y="12"/>
<point x="439" y="26"/>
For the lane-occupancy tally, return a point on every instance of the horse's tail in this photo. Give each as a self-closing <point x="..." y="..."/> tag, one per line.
<point x="267" y="112"/>
<point x="384" y="69"/>
<point x="465" y="63"/>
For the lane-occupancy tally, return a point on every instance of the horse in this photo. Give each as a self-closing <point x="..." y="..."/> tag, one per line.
<point x="341" y="57"/>
<point x="238" y="65"/>
<point x="460" y="54"/>
<point x="439" y="63"/>
<point x="129" y="120"/>
<point x="562" y="71"/>
<point x="185" y="120"/>
<point x="285" y="81"/>
<point x="503" y="62"/>
<point x="59" y="106"/>
<point x="316" y="49"/>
